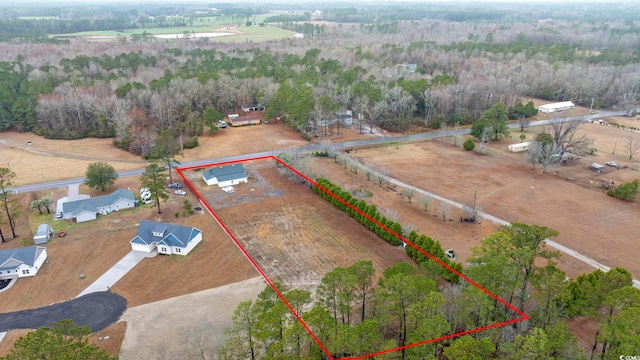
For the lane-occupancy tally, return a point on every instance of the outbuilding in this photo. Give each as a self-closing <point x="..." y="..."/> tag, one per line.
<point x="43" y="234"/>
<point x="554" y="107"/>
<point x="596" y="167"/>
<point x="523" y="146"/>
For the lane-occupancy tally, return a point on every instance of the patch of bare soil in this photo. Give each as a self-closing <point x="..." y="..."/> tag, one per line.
<point x="588" y="220"/>
<point x="294" y="235"/>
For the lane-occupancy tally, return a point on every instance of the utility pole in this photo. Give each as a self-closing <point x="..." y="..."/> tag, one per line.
<point x="475" y="195"/>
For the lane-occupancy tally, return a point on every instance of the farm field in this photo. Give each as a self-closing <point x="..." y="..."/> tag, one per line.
<point x="218" y="33"/>
<point x="565" y="199"/>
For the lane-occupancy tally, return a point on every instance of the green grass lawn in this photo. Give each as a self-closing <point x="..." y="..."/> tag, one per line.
<point x="256" y="34"/>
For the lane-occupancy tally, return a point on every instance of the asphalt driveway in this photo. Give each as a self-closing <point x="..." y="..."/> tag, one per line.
<point x="96" y="310"/>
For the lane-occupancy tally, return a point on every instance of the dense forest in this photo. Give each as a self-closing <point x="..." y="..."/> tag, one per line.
<point x="398" y="74"/>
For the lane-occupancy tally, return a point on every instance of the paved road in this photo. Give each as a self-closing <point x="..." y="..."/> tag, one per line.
<point x="96" y="310"/>
<point x="311" y="147"/>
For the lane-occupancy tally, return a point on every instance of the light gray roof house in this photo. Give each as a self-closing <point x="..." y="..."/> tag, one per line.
<point x="87" y="209"/>
<point x="225" y="175"/>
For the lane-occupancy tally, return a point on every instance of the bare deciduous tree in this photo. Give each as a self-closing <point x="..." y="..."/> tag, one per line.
<point x="444" y="209"/>
<point x="632" y="146"/>
<point x="566" y="137"/>
<point x="544" y="154"/>
<point x="425" y="201"/>
<point x="409" y="193"/>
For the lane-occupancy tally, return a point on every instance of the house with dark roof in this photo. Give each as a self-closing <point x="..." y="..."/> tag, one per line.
<point x="21" y="262"/>
<point x="166" y="238"/>
<point x="88" y="209"/>
<point x="225" y="175"/>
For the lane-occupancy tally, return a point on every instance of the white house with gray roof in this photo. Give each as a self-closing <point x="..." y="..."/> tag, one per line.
<point x="88" y="209"/>
<point x="225" y="175"/>
<point x="21" y="262"/>
<point x="166" y="238"/>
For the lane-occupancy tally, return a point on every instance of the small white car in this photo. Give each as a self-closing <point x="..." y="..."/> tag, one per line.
<point x="613" y="164"/>
<point x="180" y="192"/>
<point x="147" y="202"/>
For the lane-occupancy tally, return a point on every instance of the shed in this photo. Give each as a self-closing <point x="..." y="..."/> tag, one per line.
<point x="43" y="234"/>
<point x="596" y="167"/>
<point x="245" y="120"/>
<point x="520" y="147"/>
<point x="553" y="107"/>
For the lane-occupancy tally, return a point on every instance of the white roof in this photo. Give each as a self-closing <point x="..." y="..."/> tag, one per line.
<point x="557" y="105"/>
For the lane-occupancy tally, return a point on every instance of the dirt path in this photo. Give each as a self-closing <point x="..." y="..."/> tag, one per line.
<point x="196" y="320"/>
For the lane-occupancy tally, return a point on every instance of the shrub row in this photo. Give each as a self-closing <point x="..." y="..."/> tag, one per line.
<point x="381" y="224"/>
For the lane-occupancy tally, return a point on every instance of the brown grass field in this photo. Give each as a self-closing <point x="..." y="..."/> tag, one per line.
<point x="565" y="199"/>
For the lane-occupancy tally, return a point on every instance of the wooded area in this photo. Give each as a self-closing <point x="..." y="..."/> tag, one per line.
<point x="132" y="91"/>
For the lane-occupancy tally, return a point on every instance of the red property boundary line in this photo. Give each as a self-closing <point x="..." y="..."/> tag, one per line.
<point x="522" y="315"/>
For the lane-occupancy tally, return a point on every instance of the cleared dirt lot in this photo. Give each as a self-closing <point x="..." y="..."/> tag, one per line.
<point x="587" y="219"/>
<point x="294" y="235"/>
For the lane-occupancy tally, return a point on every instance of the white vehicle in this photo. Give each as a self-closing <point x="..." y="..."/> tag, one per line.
<point x="222" y="124"/>
<point x="180" y="192"/>
<point x="613" y="164"/>
<point x="145" y="195"/>
<point x="147" y="202"/>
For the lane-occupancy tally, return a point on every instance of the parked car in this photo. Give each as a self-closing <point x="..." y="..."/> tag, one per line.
<point x="180" y="192"/>
<point x="613" y="164"/>
<point x="59" y="215"/>
<point x="450" y="254"/>
<point x="147" y="201"/>
<point x="222" y="124"/>
<point x="175" y="186"/>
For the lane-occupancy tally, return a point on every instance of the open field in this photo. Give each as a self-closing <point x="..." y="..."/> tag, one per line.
<point x="225" y="34"/>
<point x="294" y="235"/>
<point x="48" y="160"/>
<point x="587" y="219"/>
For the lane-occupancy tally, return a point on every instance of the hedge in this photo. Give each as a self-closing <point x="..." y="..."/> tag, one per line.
<point x="340" y="198"/>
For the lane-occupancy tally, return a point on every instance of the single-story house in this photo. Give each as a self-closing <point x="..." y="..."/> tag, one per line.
<point x="245" y="120"/>
<point x="225" y="175"/>
<point x="88" y="209"/>
<point x="252" y="107"/>
<point x="518" y="147"/>
<point x="166" y="238"/>
<point x="21" y="262"/>
<point x="553" y="107"/>
<point x="345" y="117"/>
